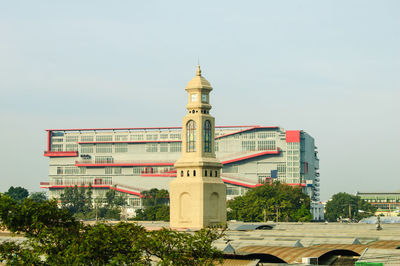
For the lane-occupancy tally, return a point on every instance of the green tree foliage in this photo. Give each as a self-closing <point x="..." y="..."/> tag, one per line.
<point x="56" y="238"/>
<point x="17" y="193"/>
<point x="79" y="201"/>
<point x="271" y="202"/>
<point x="347" y="206"/>
<point x="155" y="204"/>
<point x="38" y="196"/>
<point x="155" y="197"/>
<point x="153" y="213"/>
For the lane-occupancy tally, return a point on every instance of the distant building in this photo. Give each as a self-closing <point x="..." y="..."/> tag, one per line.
<point x="130" y="160"/>
<point x="387" y="203"/>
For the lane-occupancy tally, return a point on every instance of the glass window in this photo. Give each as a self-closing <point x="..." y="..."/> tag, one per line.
<point x="87" y="138"/>
<point x="175" y="147"/>
<point x="191" y="136"/>
<point x="194" y="97"/>
<point x="121" y="137"/>
<point x="104" y="138"/>
<point x="151" y="147"/>
<point x="207" y="136"/>
<point x="121" y="147"/>
<point x="71" y="147"/>
<point x="86" y="148"/>
<point x="56" y="147"/>
<point x="163" y="147"/>
<point x="103" y="148"/>
<point x="71" y="138"/>
<point x="204" y="98"/>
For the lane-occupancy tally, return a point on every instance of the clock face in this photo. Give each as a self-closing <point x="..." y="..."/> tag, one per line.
<point x="204" y="98"/>
<point x="194" y="97"/>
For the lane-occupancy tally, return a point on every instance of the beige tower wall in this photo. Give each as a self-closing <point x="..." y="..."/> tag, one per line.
<point x="198" y="194"/>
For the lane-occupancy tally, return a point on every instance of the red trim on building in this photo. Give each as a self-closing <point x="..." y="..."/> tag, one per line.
<point x="296" y="184"/>
<point x="240" y="131"/>
<point x="251" y="156"/>
<point x="121" y="164"/>
<point x="49" y="140"/>
<point x="99" y="186"/>
<point x="240" y="184"/>
<point x="159" y="175"/>
<point x="139" y="141"/>
<point x="292" y="136"/>
<point x="133" y="128"/>
<point x="61" y="153"/>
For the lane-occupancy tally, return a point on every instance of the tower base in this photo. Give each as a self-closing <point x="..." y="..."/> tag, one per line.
<point x="197" y="202"/>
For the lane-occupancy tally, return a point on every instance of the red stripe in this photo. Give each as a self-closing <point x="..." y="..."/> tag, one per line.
<point x="251" y="156"/>
<point x="121" y="164"/>
<point x="49" y="140"/>
<point x="133" y="128"/>
<point x="139" y="141"/>
<point x="101" y="186"/>
<point x="61" y="153"/>
<point x="240" y="184"/>
<point x="160" y="175"/>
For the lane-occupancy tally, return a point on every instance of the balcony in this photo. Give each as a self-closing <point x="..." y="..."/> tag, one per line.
<point x="44" y="184"/>
<point x="106" y="163"/>
<point x="61" y="153"/>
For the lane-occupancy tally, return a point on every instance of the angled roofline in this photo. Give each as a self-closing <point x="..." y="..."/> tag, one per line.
<point x="137" y="128"/>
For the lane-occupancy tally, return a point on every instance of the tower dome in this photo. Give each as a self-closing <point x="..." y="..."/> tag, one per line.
<point x="198" y="81"/>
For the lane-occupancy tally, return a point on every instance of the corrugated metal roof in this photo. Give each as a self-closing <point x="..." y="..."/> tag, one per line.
<point x="385" y="244"/>
<point x="237" y="262"/>
<point x="288" y="254"/>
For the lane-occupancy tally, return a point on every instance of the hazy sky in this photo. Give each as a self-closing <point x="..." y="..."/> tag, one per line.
<point x="331" y="68"/>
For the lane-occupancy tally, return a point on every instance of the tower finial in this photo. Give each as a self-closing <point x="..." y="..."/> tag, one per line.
<point x="198" y="71"/>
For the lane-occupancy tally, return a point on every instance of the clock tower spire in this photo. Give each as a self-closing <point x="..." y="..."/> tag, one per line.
<point x="198" y="194"/>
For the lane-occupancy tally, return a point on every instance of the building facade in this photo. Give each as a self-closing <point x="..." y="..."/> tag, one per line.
<point x="387" y="203"/>
<point x="131" y="160"/>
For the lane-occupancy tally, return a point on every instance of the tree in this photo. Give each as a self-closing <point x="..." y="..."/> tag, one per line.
<point x="274" y="201"/>
<point x="38" y="196"/>
<point x="17" y="193"/>
<point x="154" y="197"/>
<point x="347" y="206"/>
<point x="56" y="238"/>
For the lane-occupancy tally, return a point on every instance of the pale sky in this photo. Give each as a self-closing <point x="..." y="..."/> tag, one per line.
<point x="330" y="68"/>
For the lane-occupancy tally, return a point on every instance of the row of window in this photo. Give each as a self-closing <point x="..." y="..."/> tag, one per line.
<point x="125" y="137"/>
<point x="207" y="173"/>
<point x="70" y="170"/>
<point x="71" y="181"/>
<point x="123" y="147"/>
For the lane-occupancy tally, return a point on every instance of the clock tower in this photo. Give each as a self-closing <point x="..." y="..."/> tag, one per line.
<point x="198" y="194"/>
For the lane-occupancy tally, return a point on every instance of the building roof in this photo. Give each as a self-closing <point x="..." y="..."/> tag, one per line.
<point x="198" y="81"/>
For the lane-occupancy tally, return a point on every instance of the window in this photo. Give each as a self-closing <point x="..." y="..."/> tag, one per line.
<point x="207" y="136"/>
<point x="60" y="170"/>
<point x="204" y="98"/>
<point x="181" y="173"/>
<point x="194" y="97"/>
<point x="152" y="137"/>
<point x="71" y="170"/>
<point x="71" y="138"/>
<point x="136" y="137"/>
<point x="121" y="147"/>
<point x="216" y="146"/>
<point x="103" y="148"/>
<point x="87" y="138"/>
<point x="137" y="170"/>
<point x="57" y="140"/>
<point x="205" y="172"/>
<point x="187" y="174"/>
<point x="216" y="173"/>
<point x="86" y="148"/>
<point x="121" y="137"/>
<point x="163" y="147"/>
<point x="266" y="145"/>
<point x="249" y="145"/>
<point x="266" y="135"/>
<point x="71" y="147"/>
<point x="104" y="138"/>
<point x="191" y="136"/>
<point x="104" y="159"/>
<point x="175" y="147"/>
<point x="151" y="147"/>
<point x="163" y="136"/>
<point x="175" y="136"/>
<point x="108" y="170"/>
<point x="194" y="172"/>
<point x="57" y="147"/>
<point x="117" y="170"/>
